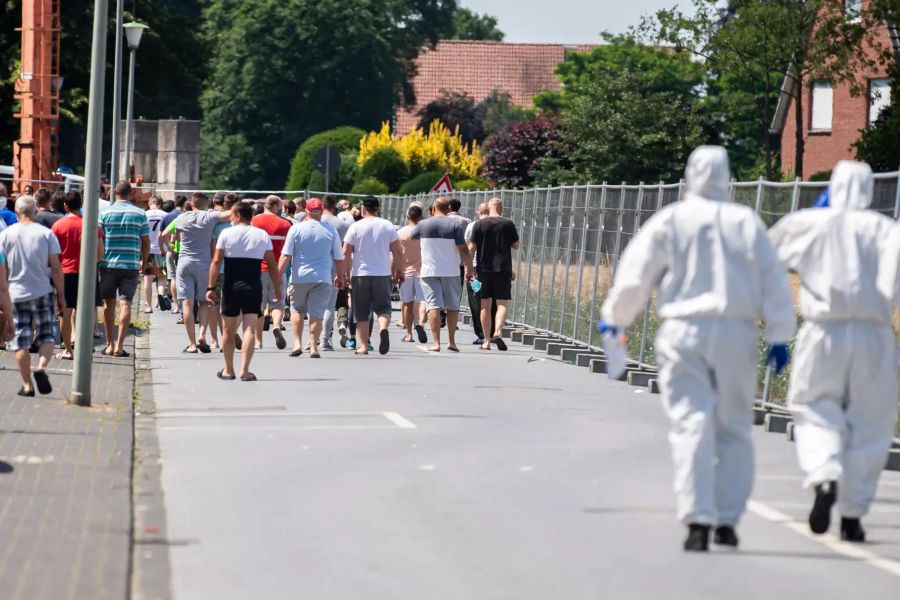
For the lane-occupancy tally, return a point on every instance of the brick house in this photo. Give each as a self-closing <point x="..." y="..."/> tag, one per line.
<point x="478" y="68"/>
<point x="833" y="116"/>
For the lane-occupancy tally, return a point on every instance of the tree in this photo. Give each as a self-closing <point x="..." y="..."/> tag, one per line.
<point x="455" y="110"/>
<point x="469" y="25"/>
<point x="878" y="144"/>
<point x="616" y="130"/>
<point x="344" y="139"/>
<point x="499" y="111"/>
<point x="754" y="45"/>
<point x="283" y="69"/>
<point x="512" y="154"/>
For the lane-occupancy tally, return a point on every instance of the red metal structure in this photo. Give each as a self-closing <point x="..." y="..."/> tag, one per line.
<point x="36" y="152"/>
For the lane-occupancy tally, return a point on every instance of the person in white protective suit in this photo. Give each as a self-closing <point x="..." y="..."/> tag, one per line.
<point x="843" y="391"/>
<point x="889" y="271"/>
<point x="716" y="272"/>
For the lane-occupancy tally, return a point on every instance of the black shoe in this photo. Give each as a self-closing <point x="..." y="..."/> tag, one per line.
<point x="820" y="515"/>
<point x="385" y="344"/>
<point x="28" y="394"/>
<point x="280" y="343"/>
<point x="420" y="331"/>
<point x="43" y="382"/>
<point x="852" y="531"/>
<point x="697" y="539"/>
<point x="267" y="322"/>
<point x="725" y="536"/>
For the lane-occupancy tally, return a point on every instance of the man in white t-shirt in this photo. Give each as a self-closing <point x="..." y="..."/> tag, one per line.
<point x="153" y="268"/>
<point x="242" y="247"/>
<point x="368" y="246"/>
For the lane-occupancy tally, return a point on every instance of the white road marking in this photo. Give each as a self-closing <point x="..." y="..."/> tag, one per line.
<point x="270" y="427"/>
<point x="426" y="467"/>
<point x="399" y="420"/>
<point x="526" y="469"/>
<point x="834" y="544"/>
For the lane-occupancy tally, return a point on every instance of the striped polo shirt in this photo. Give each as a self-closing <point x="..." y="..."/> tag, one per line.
<point x="123" y="224"/>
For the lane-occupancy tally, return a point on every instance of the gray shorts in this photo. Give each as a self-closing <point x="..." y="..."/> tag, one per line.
<point x="371" y="294"/>
<point x="442" y="292"/>
<point x="118" y="283"/>
<point x="191" y="280"/>
<point x="171" y="265"/>
<point x="311" y="298"/>
<point x="411" y="290"/>
<point x="269" y="293"/>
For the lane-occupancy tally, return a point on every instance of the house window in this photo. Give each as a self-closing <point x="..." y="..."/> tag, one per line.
<point x="822" y="100"/>
<point x="853" y="9"/>
<point x="879" y="98"/>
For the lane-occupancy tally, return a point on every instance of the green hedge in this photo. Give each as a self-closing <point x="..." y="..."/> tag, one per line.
<point x="342" y="181"/>
<point x="345" y="139"/>
<point x="421" y="184"/>
<point x="468" y="185"/>
<point x="387" y="166"/>
<point x="370" y="186"/>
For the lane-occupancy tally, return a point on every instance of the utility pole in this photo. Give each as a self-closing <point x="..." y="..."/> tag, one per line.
<point x="86" y="312"/>
<point x="117" y="97"/>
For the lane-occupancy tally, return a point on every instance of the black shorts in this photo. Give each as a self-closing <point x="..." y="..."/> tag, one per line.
<point x="497" y="286"/>
<point x="118" y="283"/>
<point x="70" y="291"/>
<point x="242" y="301"/>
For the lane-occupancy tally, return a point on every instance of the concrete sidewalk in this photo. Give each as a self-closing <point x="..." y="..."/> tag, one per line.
<point x="65" y="484"/>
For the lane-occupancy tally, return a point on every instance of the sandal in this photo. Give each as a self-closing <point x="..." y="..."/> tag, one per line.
<point x="385" y="344"/>
<point x="42" y="380"/>
<point x="203" y="347"/>
<point x="485" y="348"/>
<point x="248" y="377"/>
<point x="27" y="394"/>
<point x="121" y="354"/>
<point x="501" y="345"/>
<point x="295" y="353"/>
<point x="315" y="355"/>
<point x="362" y="352"/>
<point x="452" y="348"/>
<point x="433" y="350"/>
<point x="64" y="356"/>
<point x="106" y="352"/>
<point x="420" y="331"/>
<point x="186" y="351"/>
<point x="221" y="375"/>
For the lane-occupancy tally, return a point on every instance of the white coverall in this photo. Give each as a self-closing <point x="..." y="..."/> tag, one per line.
<point x="715" y="271"/>
<point x="843" y="391"/>
<point x="889" y="271"/>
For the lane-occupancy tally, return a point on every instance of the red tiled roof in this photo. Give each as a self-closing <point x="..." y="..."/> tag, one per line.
<point x="478" y="68"/>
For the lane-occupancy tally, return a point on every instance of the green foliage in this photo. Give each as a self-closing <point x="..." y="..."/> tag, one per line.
<point x="345" y="139"/>
<point x="281" y="70"/>
<point x="458" y="111"/>
<point x="499" y="112"/>
<point x="619" y="131"/>
<point x="879" y="144"/>
<point x="421" y="183"/>
<point x="469" y="25"/>
<point x="468" y="185"/>
<point x="820" y="176"/>
<point x="387" y="166"/>
<point x="370" y="186"/>
<point x="342" y="181"/>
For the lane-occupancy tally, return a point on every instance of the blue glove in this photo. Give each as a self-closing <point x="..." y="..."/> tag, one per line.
<point x="778" y="353"/>
<point x="603" y="327"/>
<point x="824" y="200"/>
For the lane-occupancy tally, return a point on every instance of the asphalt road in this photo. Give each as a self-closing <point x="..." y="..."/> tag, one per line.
<point x="477" y="476"/>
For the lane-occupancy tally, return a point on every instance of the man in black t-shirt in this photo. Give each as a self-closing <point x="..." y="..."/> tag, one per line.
<point x="493" y="240"/>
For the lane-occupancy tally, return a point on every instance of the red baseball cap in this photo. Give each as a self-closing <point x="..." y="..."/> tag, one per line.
<point x="313" y="205"/>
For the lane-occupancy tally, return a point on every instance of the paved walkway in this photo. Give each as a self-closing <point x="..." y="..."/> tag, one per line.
<point x="65" y="485"/>
<point x="478" y="476"/>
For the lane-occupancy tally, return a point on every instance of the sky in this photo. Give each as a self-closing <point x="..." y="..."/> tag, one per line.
<point x="566" y="21"/>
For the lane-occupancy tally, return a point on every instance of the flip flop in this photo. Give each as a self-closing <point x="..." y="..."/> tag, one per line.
<point x="237" y="342"/>
<point x="452" y="348"/>
<point x="204" y="347"/>
<point x="186" y="351"/>
<point x="220" y="375"/>
<point x="485" y="348"/>
<point x="42" y="381"/>
<point x="420" y="331"/>
<point x="64" y="356"/>
<point x="407" y="338"/>
<point x="315" y="355"/>
<point x="362" y="352"/>
<point x="385" y="344"/>
<point x="105" y="352"/>
<point x="248" y="377"/>
<point x="433" y="350"/>
<point x="295" y="353"/>
<point x="280" y="342"/>
<point x="121" y="354"/>
<point x="28" y="394"/>
<point x="501" y="345"/>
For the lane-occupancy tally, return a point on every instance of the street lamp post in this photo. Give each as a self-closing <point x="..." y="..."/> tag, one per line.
<point x="117" y="97"/>
<point x="133" y="32"/>
<point x="87" y="315"/>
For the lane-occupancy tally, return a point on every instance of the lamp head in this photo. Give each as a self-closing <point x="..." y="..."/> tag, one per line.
<point x="133" y="33"/>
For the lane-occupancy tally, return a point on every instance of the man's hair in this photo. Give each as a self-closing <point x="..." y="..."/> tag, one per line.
<point x="199" y="200"/>
<point x="301" y="203"/>
<point x="180" y="201"/>
<point x="3" y="190"/>
<point x="329" y="203"/>
<point x="496" y="204"/>
<point x="219" y="199"/>
<point x="230" y="200"/>
<point x="414" y="213"/>
<point x="42" y="197"/>
<point x="273" y="202"/>
<point x="154" y="201"/>
<point x="483" y="210"/>
<point x="58" y="201"/>
<point x="244" y="210"/>
<point x="25" y="205"/>
<point x="168" y="205"/>
<point x="455" y="204"/>
<point x="290" y="208"/>
<point x="72" y="201"/>
<point x="441" y="205"/>
<point x="123" y="190"/>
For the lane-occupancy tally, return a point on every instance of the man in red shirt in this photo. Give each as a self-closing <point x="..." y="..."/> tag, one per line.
<point x="68" y="231"/>
<point x="277" y="227"/>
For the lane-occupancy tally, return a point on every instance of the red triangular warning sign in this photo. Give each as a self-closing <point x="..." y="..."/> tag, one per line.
<point x="443" y="186"/>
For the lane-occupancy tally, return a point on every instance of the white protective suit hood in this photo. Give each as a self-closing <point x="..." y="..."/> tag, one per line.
<point x="851" y="186"/>
<point x="708" y="174"/>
